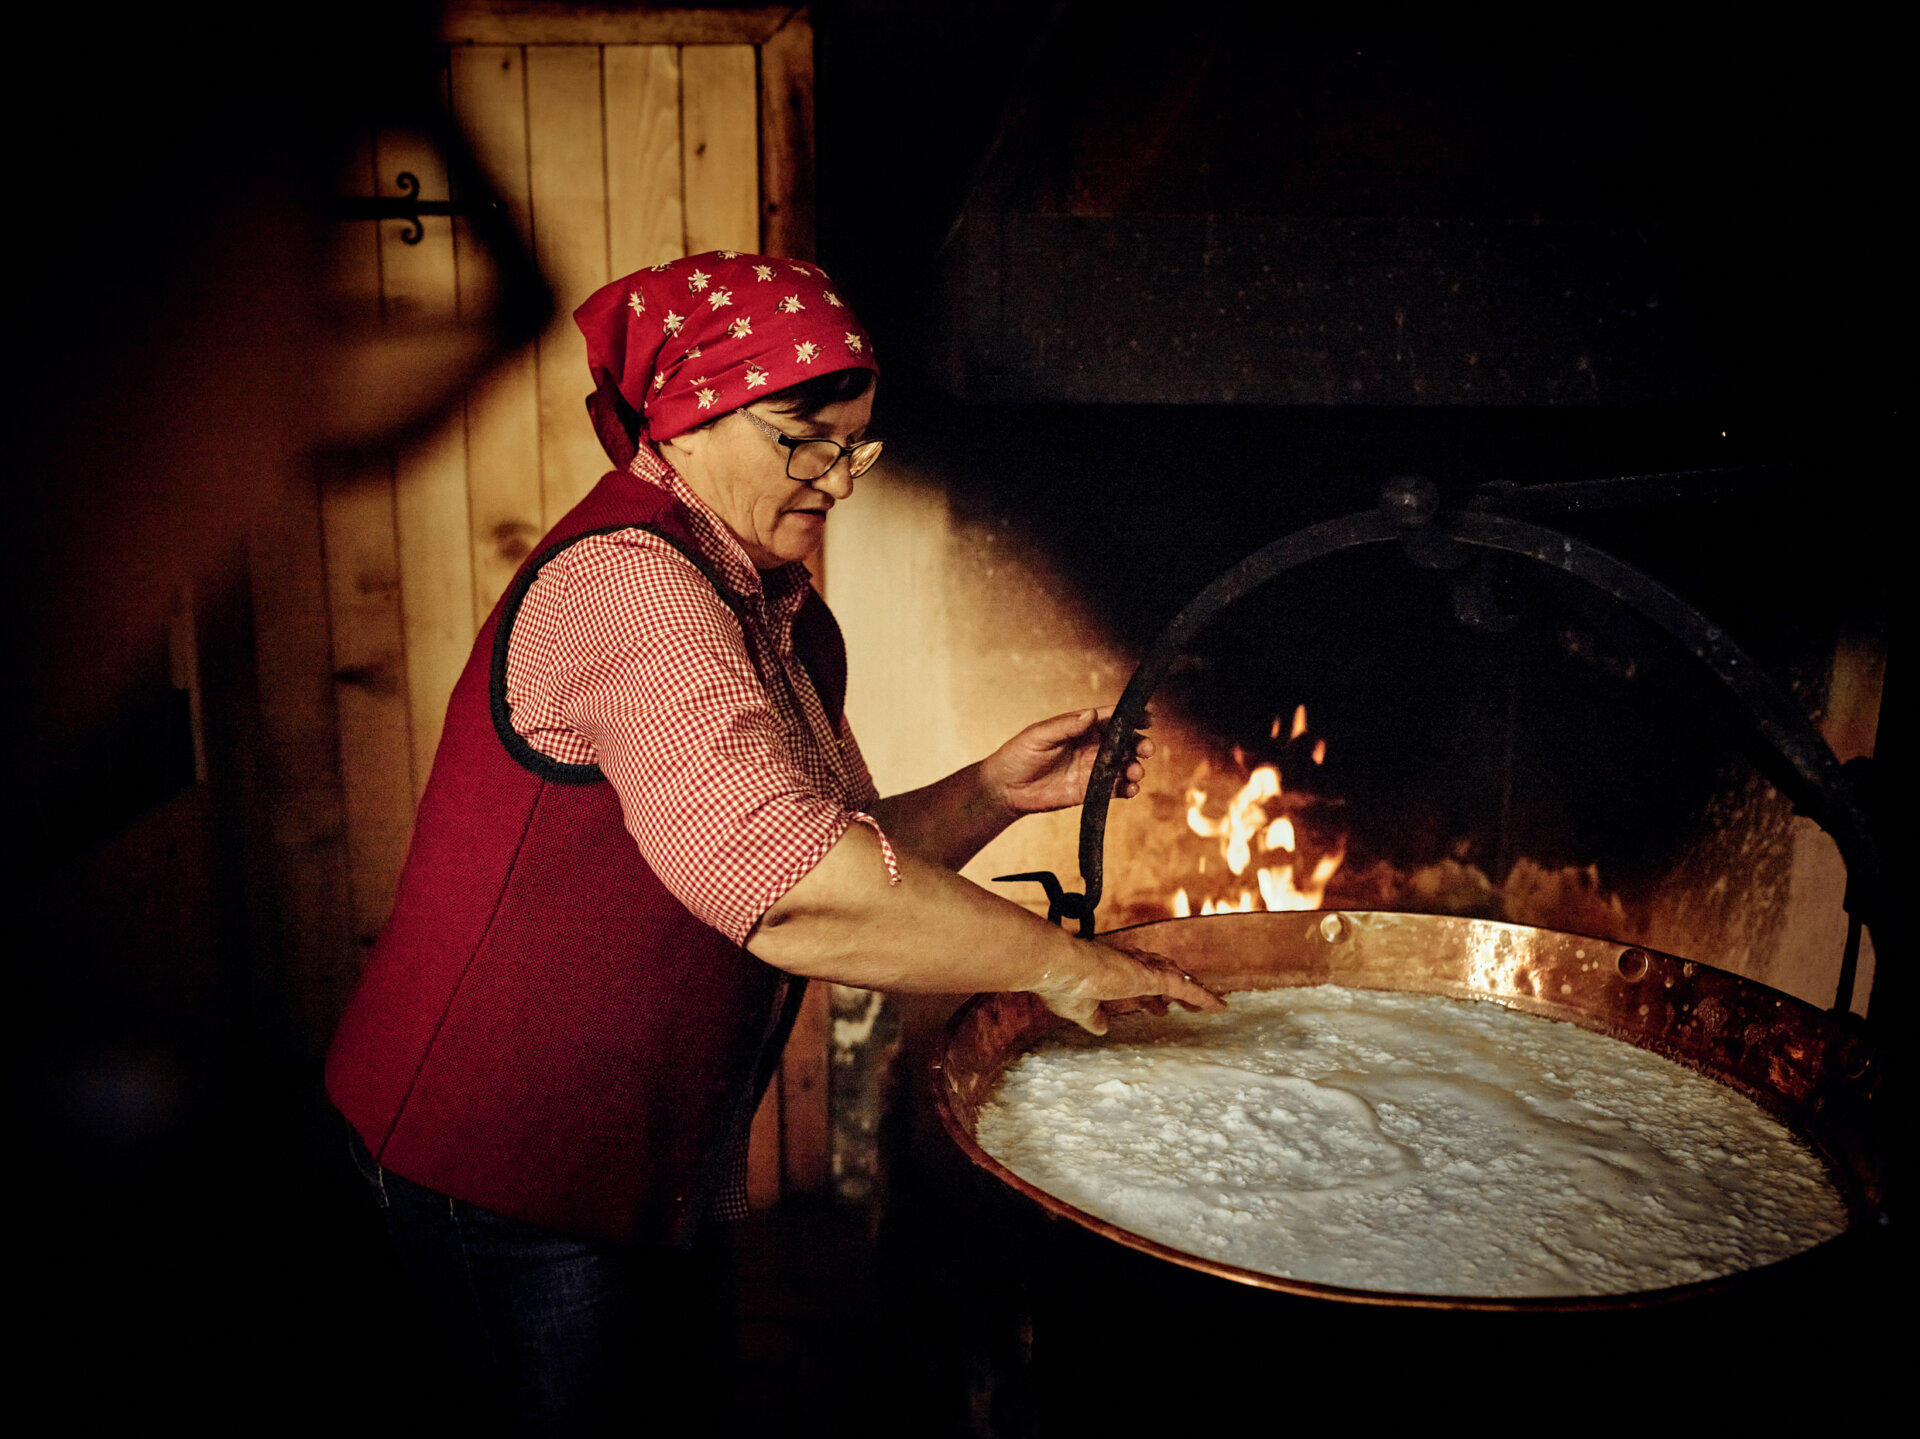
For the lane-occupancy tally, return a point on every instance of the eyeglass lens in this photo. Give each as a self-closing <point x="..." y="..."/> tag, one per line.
<point x="811" y="459"/>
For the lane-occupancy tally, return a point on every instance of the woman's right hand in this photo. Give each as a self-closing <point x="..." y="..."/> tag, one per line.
<point x="1117" y="980"/>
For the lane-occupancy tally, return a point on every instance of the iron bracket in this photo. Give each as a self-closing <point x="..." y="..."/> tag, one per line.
<point x="407" y="206"/>
<point x="1061" y="903"/>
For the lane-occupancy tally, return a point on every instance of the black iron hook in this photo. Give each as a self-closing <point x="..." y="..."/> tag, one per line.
<point x="1061" y="904"/>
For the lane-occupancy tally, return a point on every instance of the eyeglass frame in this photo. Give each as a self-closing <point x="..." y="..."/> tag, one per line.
<point x="792" y="443"/>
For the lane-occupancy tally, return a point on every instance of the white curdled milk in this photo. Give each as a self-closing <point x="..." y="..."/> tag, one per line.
<point x="1410" y="1143"/>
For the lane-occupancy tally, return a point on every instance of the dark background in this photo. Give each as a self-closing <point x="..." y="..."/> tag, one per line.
<point x="193" y="1246"/>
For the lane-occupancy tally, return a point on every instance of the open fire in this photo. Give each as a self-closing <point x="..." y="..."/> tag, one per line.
<point x="1257" y="816"/>
<point x="1273" y="847"/>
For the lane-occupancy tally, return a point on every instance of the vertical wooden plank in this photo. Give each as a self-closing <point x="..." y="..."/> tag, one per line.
<point x="503" y="410"/>
<point x="369" y="664"/>
<point x="646" y="216"/>
<point x="763" y="1152"/>
<point x="487" y="87"/>
<point x="431" y="523"/>
<point x="806" y="1147"/>
<point x="370" y="692"/>
<point x="363" y="616"/>
<point x="566" y="165"/>
<point x="786" y="228"/>
<point x="301" y="776"/>
<point x="720" y="143"/>
<point x="312" y="960"/>
<point x="786" y="140"/>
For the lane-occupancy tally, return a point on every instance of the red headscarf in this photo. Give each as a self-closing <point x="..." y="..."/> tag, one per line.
<point x="681" y="343"/>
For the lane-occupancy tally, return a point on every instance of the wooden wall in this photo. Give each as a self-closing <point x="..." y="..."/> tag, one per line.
<point x="617" y="138"/>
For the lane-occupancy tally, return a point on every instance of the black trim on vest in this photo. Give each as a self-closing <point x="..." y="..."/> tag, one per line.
<point x="518" y="750"/>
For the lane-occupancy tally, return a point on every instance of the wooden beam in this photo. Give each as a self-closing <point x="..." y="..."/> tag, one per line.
<point x="786" y="140"/>
<point x="549" y="22"/>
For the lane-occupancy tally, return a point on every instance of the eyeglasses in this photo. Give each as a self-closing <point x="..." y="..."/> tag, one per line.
<point x="810" y="460"/>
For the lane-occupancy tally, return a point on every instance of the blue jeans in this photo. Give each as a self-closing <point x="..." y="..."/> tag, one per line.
<point x="543" y="1333"/>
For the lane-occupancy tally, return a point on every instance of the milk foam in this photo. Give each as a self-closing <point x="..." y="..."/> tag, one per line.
<point x="1410" y="1143"/>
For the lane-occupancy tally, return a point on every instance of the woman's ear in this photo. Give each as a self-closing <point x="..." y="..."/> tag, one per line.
<point x="691" y="442"/>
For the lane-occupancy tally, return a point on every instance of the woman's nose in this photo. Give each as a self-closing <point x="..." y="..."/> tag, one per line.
<point x="837" y="481"/>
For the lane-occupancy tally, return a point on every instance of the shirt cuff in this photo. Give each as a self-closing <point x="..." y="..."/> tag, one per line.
<point x="886" y="845"/>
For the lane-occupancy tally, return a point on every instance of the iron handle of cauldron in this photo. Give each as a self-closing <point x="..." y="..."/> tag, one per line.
<point x="1410" y="512"/>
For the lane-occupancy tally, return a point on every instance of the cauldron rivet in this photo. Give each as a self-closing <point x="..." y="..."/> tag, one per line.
<point x="1633" y="965"/>
<point x="1333" y="928"/>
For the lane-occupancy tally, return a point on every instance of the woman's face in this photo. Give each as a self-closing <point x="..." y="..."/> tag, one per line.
<point x="742" y="475"/>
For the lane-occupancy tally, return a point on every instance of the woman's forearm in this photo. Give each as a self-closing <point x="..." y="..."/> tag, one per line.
<point x="1044" y="767"/>
<point x="947" y="822"/>
<point x="936" y="933"/>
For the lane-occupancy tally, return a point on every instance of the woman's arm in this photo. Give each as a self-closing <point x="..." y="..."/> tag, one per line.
<point x="677" y="718"/>
<point x="936" y="933"/>
<point x="1044" y="767"/>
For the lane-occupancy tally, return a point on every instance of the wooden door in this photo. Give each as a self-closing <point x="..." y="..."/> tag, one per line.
<point x="617" y="138"/>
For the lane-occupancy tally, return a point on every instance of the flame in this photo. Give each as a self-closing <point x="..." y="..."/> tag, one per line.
<point x="1246" y="817"/>
<point x="1299" y="722"/>
<point x="1319" y="751"/>
<point x="1227" y="906"/>
<point x="1278" y="889"/>
<point x="1246" y="824"/>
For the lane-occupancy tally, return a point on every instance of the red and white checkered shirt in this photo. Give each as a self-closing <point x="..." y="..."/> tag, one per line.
<point x="733" y="781"/>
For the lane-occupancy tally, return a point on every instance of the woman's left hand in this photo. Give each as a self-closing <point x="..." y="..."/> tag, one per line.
<point x="1046" y="765"/>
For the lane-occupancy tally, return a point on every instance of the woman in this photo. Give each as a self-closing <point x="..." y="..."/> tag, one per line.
<point x="648" y="825"/>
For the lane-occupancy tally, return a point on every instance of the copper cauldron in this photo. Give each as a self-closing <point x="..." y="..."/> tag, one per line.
<point x="1812" y="1070"/>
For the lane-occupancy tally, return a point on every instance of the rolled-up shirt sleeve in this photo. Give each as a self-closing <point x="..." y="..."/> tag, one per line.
<point x="624" y="656"/>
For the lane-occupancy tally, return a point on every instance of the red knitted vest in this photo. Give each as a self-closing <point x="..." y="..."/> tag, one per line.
<point x="542" y="1029"/>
